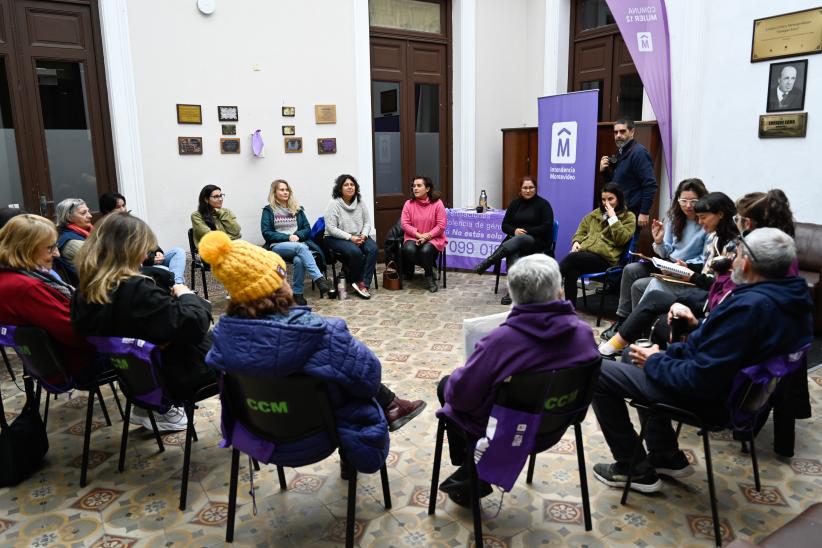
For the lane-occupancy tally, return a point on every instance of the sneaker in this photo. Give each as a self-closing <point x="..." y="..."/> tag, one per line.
<point x="361" y="290"/>
<point x="616" y="475"/>
<point x="611" y="331"/>
<point x="173" y="421"/>
<point x="399" y="412"/>
<point x="607" y="350"/>
<point x="299" y="299"/>
<point x="676" y="466"/>
<point x="506" y="300"/>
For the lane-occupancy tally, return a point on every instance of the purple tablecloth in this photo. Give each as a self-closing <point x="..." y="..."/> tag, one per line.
<point x="473" y="236"/>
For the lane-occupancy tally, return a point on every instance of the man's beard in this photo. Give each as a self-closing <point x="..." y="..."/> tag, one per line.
<point x="737" y="276"/>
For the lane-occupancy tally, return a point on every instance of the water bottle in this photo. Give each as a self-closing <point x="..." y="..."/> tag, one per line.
<point x="483" y="200"/>
<point x="341" y="288"/>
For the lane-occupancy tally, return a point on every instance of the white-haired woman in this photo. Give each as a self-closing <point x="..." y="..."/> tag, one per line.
<point x="73" y="219"/>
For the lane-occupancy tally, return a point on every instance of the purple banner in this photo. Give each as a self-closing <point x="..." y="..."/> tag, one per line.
<point x="644" y="27"/>
<point x="473" y="236"/>
<point x="568" y="142"/>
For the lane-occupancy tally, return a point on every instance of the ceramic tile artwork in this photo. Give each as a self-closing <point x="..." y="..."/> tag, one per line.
<point x="418" y="337"/>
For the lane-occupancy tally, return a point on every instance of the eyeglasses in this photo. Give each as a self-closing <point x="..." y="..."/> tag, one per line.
<point x="737" y="218"/>
<point x="217" y="197"/>
<point x="684" y="202"/>
<point x="740" y="242"/>
<point x="52" y="248"/>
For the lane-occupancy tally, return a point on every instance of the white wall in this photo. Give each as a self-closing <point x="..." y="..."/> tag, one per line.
<point x="306" y="55"/>
<point x="509" y="78"/>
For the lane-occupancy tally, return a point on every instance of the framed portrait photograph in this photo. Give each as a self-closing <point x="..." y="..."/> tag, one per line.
<point x="189" y="145"/>
<point x="288" y="130"/>
<point x="293" y="144"/>
<point x="229" y="129"/>
<point x="288" y="112"/>
<point x="327" y="145"/>
<point x="229" y="145"/>
<point x="786" y="86"/>
<point x="189" y="114"/>
<point x="228" y="114"/>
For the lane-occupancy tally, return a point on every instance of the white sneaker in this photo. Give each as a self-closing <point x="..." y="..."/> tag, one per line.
<point x="361" y="290"/>
<point x="173" y="421"/>
<point x="607" y="350"/>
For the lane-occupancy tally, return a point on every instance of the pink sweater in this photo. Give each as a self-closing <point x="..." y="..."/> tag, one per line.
<point x="423" y="216"/>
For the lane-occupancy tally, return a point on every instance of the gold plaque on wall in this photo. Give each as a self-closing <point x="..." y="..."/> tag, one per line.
<point x="787" y="35"/>
<point x="783" y="125"/>
<point x="189" y="114"/>
<point x="325" y="114"/>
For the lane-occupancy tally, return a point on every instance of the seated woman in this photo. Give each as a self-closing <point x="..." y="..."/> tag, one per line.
<point x="115" y="300"/>
<point x="423" y="224"/>
<point x="73" y="227"/>
<point x="30" y="293"/>
<point x="173" y="260"/>
<point x="286" y="230"/>
<point x="265" y="334"/>
<point x="714" y="212"/>
<point x="679" y="238"/>
<point x="600" y="239"/>
<point x="529" y="225"/>
<point x="347" y="226"/>
<point x="211" y="215"/>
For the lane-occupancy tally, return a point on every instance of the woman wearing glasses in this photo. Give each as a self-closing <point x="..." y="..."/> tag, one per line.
<point x="679" y="238"/>
<point x="73" y="227"/>
<point x="211" y="215"/>
<point x="30" y="293"/>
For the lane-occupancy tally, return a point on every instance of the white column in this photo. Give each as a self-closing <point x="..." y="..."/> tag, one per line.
<point x="464" y="108"/>
<point x="557" y="35"/>
<point x="362" y="83"/>
<point x="122" y="98"/>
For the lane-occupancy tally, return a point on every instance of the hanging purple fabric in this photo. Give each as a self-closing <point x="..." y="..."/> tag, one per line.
<point x="509" y="439"/>
<point x="257" y="144"/>
<point x="143" y="351"/>
<point x="643" y="25"/>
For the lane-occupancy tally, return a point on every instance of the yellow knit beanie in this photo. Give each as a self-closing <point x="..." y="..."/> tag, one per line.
<point x="247" y="271"/>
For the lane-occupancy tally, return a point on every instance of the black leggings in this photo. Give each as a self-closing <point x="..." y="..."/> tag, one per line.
<point x="574" y="265"/>
<point x="642" y="317"/>
<point x="423" y="255"/>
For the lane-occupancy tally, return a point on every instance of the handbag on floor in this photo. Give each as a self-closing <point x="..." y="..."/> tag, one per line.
<point x="391" y="277"/>
<point x="23" y="443"/>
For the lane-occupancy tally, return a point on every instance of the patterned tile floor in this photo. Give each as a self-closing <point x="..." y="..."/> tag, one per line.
<point x="418" y="337"/>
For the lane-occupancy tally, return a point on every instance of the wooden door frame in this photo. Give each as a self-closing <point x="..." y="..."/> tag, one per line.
<point x="26" y="102"/>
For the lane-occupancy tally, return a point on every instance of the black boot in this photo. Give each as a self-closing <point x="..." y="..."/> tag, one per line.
<point x="431" y="280"/>
<point x="323" y="285"/>
<point x="497" y="255"/>
<point x="611" y="331"/>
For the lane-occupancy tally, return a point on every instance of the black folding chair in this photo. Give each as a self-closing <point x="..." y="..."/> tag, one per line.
<point x="42" y="361"/>
<point x="552" y="246"/>
<point x="610" y="278"/>
<point x="744" y="405"/>
<point x="441" y="261"/>
<point x="197" y="263"/>
<point x="331" y="258"/>
<point x="137" y="365"/>
<point x="285" y="410"/>
<point x="563" y="396"/>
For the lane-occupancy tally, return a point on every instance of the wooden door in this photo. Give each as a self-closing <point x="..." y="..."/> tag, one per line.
<point x="519" y="158"/>
<point x="409" y="90"/>
<point x="58" y="85"/>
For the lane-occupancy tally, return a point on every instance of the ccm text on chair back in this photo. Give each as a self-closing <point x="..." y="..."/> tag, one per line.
<point x="280" y="409"/>
<point x="134" y="362"/>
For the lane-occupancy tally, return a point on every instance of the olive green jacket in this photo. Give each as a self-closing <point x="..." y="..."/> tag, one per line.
<point x="224" y="219"/>
<point x="606" y="240"/>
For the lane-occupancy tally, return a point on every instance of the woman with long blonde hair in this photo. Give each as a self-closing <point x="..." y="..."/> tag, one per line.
<point x="31" y="294"/>
<point x="287" y="231"/>
<point x="115" y="300"/>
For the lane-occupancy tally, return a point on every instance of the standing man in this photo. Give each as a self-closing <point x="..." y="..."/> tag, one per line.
<point x="632" y="169"/>
<point x="786" y="96"/>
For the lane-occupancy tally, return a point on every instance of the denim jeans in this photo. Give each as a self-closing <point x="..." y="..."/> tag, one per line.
<point x="361" y="260"/>
<point x="175" y="260"/>
<point x="300" y="254"/>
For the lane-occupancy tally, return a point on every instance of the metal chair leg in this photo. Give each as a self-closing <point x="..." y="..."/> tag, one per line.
<point x="435" y="473"/>
<point x="116" y="398"/>
<point x="189" y="408"/>
<point x="386" y="492"/>
<point x="755" y="464"/>
<point x="256" y="464"/>
<point x="583" y="477"/>
<point x="103" y="406"/>
<point x="232" y="495"/>
<point x="281" y="477"/>
<point x="124" y="439"/>
<point x="352" y="508"/>
<point x="8" y="363"/>
<point x="475" y="498"/>
<point x="711" y="489"/>
<point x="532" y="463"/>
<point x="86" y="438"/>
<point x="205" y="283"/>
<point x="156" y="431"/>
<point x="46" y="411"/>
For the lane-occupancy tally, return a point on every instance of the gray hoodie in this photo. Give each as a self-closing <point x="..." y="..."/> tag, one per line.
<point x="345" y="220"/>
